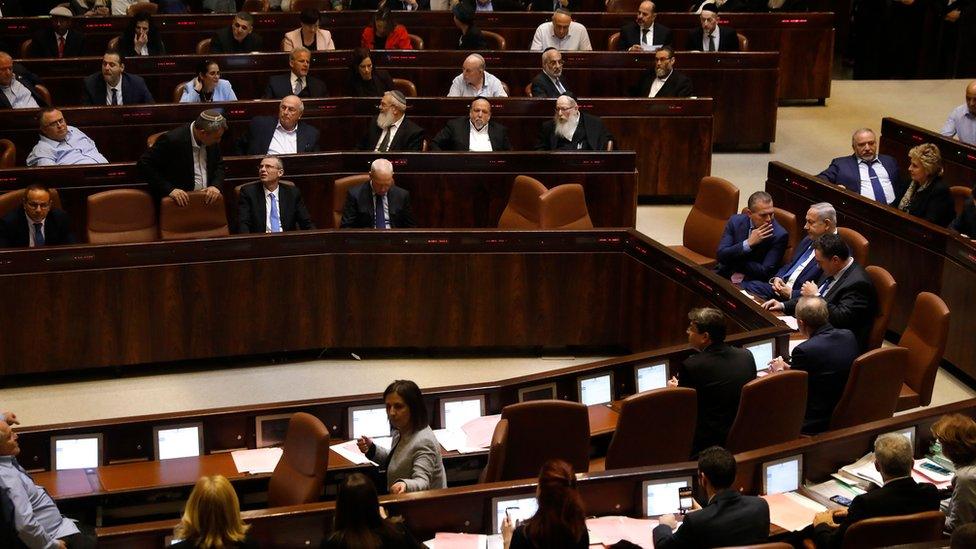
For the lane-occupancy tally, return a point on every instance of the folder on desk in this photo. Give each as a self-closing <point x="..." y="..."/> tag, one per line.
<point x="610" y="530"/>
<point x="791" y="511"/>
<point x="257" y="461"/>
<point x="445" y="540"/>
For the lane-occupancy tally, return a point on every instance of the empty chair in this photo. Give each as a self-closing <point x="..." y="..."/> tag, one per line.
<point x="641" y="439"/>
<point x="522" y="211"/>
<point x="754" y="426"/>
<point x="11" y="200"/>
<point x="8" y="153"/>
<point x="960" y="194"/>
<point x="25" y="48"/>
<point x="142" y="7"/>
<point x="203" y="47"/>
<point x="787" y="220"/>
<point x="743" y="41"/>
<point x="121" y="215"/>
<point x="528" y="89"/>
<point x="925" y="338"/>
<point x="494" y="40"/>
<point x="538" y="431"/>
<point x="872" y="389"/>
<point x="622" y="6"/>
<point x="716" y="201"/>
<point x="339" y="192"/>
<point x="195" y="220"/>
<point x="496" y="452"/>
<point x="255" y="5"/>
<point x="300" y="472"/>
<point x="318" y="5"/>
<point x="614" y="39"/>
<point x="113" y="44"/>
<point x="178" y="92"/>
<point x="858" y="245"/>
<point x="886" y="289"/>
<point x="894" y="530"/>
<point x="44" y="93"/>
<point x="405" y="86"/>
<point x="416" y="41"/>
<point x="564" y="207"/>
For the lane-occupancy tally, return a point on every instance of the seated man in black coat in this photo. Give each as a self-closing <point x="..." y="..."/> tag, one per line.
<point x="114" y="86"/>
<point x="709" y="36"/>
<point x="60" y="40"/>
<point x="176" y="165"/>
<point x="37" y="223"/>
<point x="238" y="38"/>
<point x="728" y="517"/>
<point x="297" y="82"/>
<point x="663" y="81"/>
<point x="644" y="34"/>
<point x="572" y="130"/>
<point x="390" y="130"/>
<point x="270" y="205"/>
<point x="550" y="83"/>
<point x="378" y="203"/>
<point x="283" y="135"/>
<point x="471" y="37"/>
<point x="474" y="132"/>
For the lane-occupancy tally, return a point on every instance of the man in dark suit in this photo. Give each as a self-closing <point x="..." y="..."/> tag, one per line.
<point x="550" y="83"/>
<point x="390" y="130"/>
<point x="711" y="37"/>
<point x="728" y="517"/>
<point x="271" y="205"/>
<point x="753" y="243"/>
<point x="187" y="159"/>
<point x="283" y="135"/>
<point x="37" y="223"/>
<point x="644" y="34"/>
<point x="866" y="172"/>
<point x="19" y="83"/>
<point x="474" y="132"/>
<point x="717" y="372"/>
<point x="552" y="5"/>
<point x="238" y="38"/>
<point x="378" y="203"/>
<point x="850" y="295"/>
<point x="663" y="81"/>
<point x="114" y="86"/>
<point x="60" y="40"/>
<point x="826" y="356"/>
<point x="572" y="130"/>
<point x="297" y="82"/>
<point x="900" y="495"/>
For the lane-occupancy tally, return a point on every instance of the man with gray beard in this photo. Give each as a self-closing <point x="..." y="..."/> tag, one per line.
<point x="391" y="131"/>
<point x="572" y="130"/>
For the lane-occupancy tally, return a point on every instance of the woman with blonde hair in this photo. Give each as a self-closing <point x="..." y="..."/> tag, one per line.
<point x="212" y="517"/>
<point x="926" y="195"/>
<point x="957" y="435"/>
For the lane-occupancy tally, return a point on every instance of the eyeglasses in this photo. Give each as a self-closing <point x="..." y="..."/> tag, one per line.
<point x="55" y="123"/>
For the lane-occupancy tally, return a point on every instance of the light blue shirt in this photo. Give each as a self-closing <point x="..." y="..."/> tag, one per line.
<point x="37" y="520"/>
<point x="491" y="87"/>
<point x="77" y="148"/>
<point x="223" y="92"/>
<point x="961" y="124"/>
<point x="18" y="95"/>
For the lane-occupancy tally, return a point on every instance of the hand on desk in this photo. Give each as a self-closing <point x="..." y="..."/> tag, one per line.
<point x="778" y="364"/>
<point x="673" y="382"/>
<point x="773" y="305"/>
<point x="364" y="443"/>
<point x="668" y="520"/>
<point x="212" y="194"/>
<point x="180" y="196"/>
<point x="398" y="487"/>
<point x="829" y="517"/>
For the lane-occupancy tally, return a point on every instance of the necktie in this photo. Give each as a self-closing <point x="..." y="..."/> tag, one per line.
<point x="559" y="86"/>
<point x="115" y="97"/>
<point x="799" y="261"/>
<point x="378" y="212"/>
<point x="826" y="286"/>
<point x="644" y="36"/>
<point x="38" y="235"/>
<point x="385" y="143"/>
<point x="60" y="46"/>
<point x="711" y="43"/>
<point x="298" y="86"/>
<point x="275" y="218"/>
<point x="879" y="194"/>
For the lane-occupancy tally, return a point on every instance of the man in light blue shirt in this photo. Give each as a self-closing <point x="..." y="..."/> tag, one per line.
<point x="475" y="81"/>
<point x="61" y="144"/>
<point x="962" y="120"/>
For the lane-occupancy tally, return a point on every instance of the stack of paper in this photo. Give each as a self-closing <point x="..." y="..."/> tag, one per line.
<point x="444" y="540"/>
<point x="929" y="472"/>
<point x="610" y="530"/>
<point x="791" y="511"/>
<point x="350" y="450"/>
<point x="833" y="488"/>
<point x="261" y="460"/>
<point x="860" y="473"/>
<point x="791" y="322"/>
<point x="473" y="436"/>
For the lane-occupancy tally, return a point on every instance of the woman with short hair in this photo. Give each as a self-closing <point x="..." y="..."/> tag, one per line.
<point x="212" y="518"/>
<point x="927" y="195"/>
<point x="309" y="34"/>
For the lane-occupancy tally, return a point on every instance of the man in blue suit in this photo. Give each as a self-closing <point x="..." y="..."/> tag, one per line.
<point x="753" y="243"/>
<point x="866" y="172"/>
<point x="283" y="135"/>
<point x="114" y="86"/>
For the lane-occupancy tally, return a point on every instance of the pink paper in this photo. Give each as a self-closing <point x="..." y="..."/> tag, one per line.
<point x="478" y="431"/>
<point x="787" y="513"/>
<point x="445" y="540"/>
<point x="610" y="530"/>
<point x="920" y="477"/>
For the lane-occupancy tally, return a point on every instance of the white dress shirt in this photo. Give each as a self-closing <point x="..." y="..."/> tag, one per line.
<point x="647" y="40"/>
<point x="658" y="84"/>
<point x="18" y="95"/>
<point x="118" y="91"/>
<point x="267" y="208"/>
<point x="30" y="229"/>
<point x="392" y="130"/>
<point x="284" y="141"/>
<point x="199" y="162"/>
<point x="715" y="33"/>
<point x="867" y="190"/>
<point x="294" y="78"/>
<point x="577" y="39"/>
<point x="478" y="139"/>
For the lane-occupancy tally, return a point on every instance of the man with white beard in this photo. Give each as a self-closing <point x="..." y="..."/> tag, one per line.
<point x="391" y="131"/>
<point x="572" y="130"/>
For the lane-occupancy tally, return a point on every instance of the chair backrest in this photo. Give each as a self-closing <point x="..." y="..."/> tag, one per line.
<point x="496" y="452"/>
<point x="564" y="207"/>
<point x="508" y="92"/>
<point x="142" y="7"/>
<point x="859" y="246"/>
<point x="522" y="211"/>
<point x="960" y="194"/>
<point x="886" y="289"/>
<point x="925" y="338"/>
<point x="754" y="427"/>
<point x="151" y="140"/>
<point x="44" y="93"/>
<point x="872" y="388"/>
<point x="641" y="439"/>
<point x="11" y="200"/>
<point x="339" y="192"/>
<point x="8" y="153"/>
<point x="743" y="41"/>
<point x="203" y="47"/>
<point x="405" y="86"/>
<point x="195" y="220"/>
<point x="622" y="6"/>
<point x="299" y="475"/>
<point x="416" y="41"/>
<point x="895" y="530"/>
<point x="771" y="545"/>
<point x="614" y="39"/>
<point x="121" y="215"/>
<point x="494" y="40"/>
<point x="25" y="48"/>
<point x="113" y="44"/>
<point x="528" y="89"/>
<point x="178" y="92"/>
<point x="318" y="5"/>
<point x="716" y="201"/>
<point x="788" y="221"/>
<point x="542" y="430"/>
<point x="255" y="5"/>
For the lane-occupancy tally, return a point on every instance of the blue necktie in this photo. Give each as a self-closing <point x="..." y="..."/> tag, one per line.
<point x="799" y="261"/>
<point x="38" y="235"/>
<point x="826" y="285"/>
<point x="378" y="212"/>
<point x="275" y="219"/>
<point x="879" y="194"/>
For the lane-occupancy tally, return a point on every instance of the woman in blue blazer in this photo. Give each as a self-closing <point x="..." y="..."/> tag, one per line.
<point x="207" y="87"/>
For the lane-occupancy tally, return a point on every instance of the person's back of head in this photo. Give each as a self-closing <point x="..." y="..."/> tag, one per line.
<point x="212" y="517"/>
<point x="893" y="456"/>
<point x="718" y="466"/>
<point x="560" y="520"/>
<point x="957" y="434"/>
<point x="357" y="523"/>
<point x="963" y="537"/>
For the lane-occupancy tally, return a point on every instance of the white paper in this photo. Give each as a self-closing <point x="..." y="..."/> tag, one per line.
<point x="792" y="511"/>
<point x="454" y="440"/>
<point x="791" y="322"/>
<point x="833" y="488"/>
<point x="480" y="430"/>
<point x="260" y="460"/>
<point x="864" y="469"/>
<point x="350" y="450"/>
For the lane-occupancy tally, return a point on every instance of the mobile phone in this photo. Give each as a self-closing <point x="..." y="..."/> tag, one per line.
<point x="841" y="500"/>
<point x="685" y="500"/>
<point x="507" y="514"/>
<point x="935" y="468"/>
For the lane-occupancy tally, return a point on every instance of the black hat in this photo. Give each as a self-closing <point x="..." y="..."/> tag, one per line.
<point x="710" y="7"/>
<point x="463" y="12"/>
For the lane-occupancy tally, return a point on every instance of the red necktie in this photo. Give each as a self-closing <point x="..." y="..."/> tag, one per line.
<point x="60" y="46"/>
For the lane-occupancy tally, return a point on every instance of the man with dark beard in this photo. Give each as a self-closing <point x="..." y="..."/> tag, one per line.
<point x="663" y="80"/>
<point x="391" y="131"/>
<point x="572" y="130"/>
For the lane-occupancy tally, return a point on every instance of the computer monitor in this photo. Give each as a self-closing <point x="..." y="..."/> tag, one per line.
<point x="270" y="430"/>
<point x="651" y="376"/>
<point x="762" y="351"/>
<point x="907" y="432"/>
<point x="76" y="451"/>
<point x="176" y="441"/>
<point x="368" y="421"/>
<point x="546" y="391"/>
<point x="782" y="475"/>
<point x="660" y="496"/>
<point x="596" y="389"/>
<point x="520" y="507"/>
<point x="456" y="411"/>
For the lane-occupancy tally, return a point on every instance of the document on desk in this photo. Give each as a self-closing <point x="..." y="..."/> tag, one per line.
<point x="864" y="470"/>
<point x="610" y="530"/>
<point x="445" y="540"/>
<point x="260" y="460"/>
<point x="791" y="322"/>
<point x="479" y="431"/>
<point x="791" y="511"/>
<point x="833" y="488"/>
<point x="930" y="472"/>
<point x="350" y="450"/>
<point x="454" y="440"/>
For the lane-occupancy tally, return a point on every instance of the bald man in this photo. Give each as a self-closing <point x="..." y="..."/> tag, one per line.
<point x="962" y="120"/>
<point x="378" y="203"/>
<point x="285" y="134"/>
<point x="561" y="33"/>
<point x="17" y="89"/>
<point x="474" y="132"/>
<point x="475" y="81"/>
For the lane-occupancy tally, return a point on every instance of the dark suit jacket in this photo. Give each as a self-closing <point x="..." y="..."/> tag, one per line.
<point x="260" y="132"/>
<point x="542" y="86"/>
<point x="472" y="40"/>
<point x="252" y="213"/>
<point x="28" y="79"/>
<point x="965" y="223"/>
<point x="168" y="164"/>
<point x="630" y="35"/>
<point x="456" y="136"/>
<point x="134" y="90"/>
<point x="718" y="374"/>
<point x="677" y="85"/>
<point x="761" y="261"/>
<point x="44" y="44"/>
<point x="547" y="5"/>
<point x="762" y="288"/>
<point x="279" y="87"/>
<point x="899" y="497"/>
<point x="409" y="137"/>
<point x="727" y="39"/>
<point x="826" y="358"/>
<point x="597" y="135"/>
<point x="358" y="211"/>
<point x="729" y="519"/>
<point x="14" y="231"/>
<point x="851" y="301"/>
<point x="933" y="204"/>
<point x="222" y="41"/>
<point x="844" y="171"/>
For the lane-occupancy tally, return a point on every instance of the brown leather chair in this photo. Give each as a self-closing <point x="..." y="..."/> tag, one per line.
<point x="859" y="246"/>
<point x="960" y="194"/>
<point x="25" y="47"/>
<point x="642" y="440"/>
<point x="528" y="89"/>
<point x="299" y="475"/>
<point x="113" y="44"/>
<point x="872" y="388"/>
<point x="613" y="41"/>
<point x="771" y="545"/>
<point x="11" y="200"/>
<point x="754" y="426"/>
<point x="195" y="220"/>
<point x="255" y="6"/>
<point x="496" y="452"/>
<point x="340" y="189"/>
<point x="508" y="92"/>
<point x="405" y="86"/>
<point x="151" y="140"/>
<point x="622" y="6"/>
<point x="886" y="289"/>
<point x="717" y="200"/>
<point x="787" y="220"/>
<point x="44" y="93"/>
<point x="142" y="7"/>
<point x="8" y="153"/>
<point x="121" y="216"/>
<point x="743" y="41"/>
<point x="896" y="530"/>
<point x="494" y="40"/>
<point x="564" y="207"/>
<point x="522" y="211"/>
<point x="318" y="5"/>
<point x="538" y="431"/>
<point x="178" y="91"/>
<point x="203" y="47"/>
<point x="925" y="338"/>
<point x="416" y="41"/>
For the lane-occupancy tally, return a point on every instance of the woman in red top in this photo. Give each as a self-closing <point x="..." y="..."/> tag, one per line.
<point x="386" y="33"/>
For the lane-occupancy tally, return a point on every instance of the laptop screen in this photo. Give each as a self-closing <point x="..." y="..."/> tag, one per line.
<point x="782" y="475"/>
<point x="596" y="390"/>
<point x="653" y="376"/>
<point x="82" y="452"/>
<point x="661" y="495"/>
<point x="455" y="412"/>
<point x="368" y="421"/>
<point x="517" y="507"/>
<point x="179" y="441"/>
<point x="762" y="351"/>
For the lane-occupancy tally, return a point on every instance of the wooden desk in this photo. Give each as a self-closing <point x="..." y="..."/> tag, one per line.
<point x="67" y="484"/>
<point x="958" y="158"/>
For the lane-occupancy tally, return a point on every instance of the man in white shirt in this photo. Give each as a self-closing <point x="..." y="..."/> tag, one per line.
<point x="475" y="81"/>
<point x="474" y="132"/>
<point x="390" y="130"/>
<point x="286" y="134"/>
<point x="62" y="145"/>
<point x="561" y="33"/>
<point x="961" y="123"/>
<point x="171" y="173"/>
<point x="14" y="92"/>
